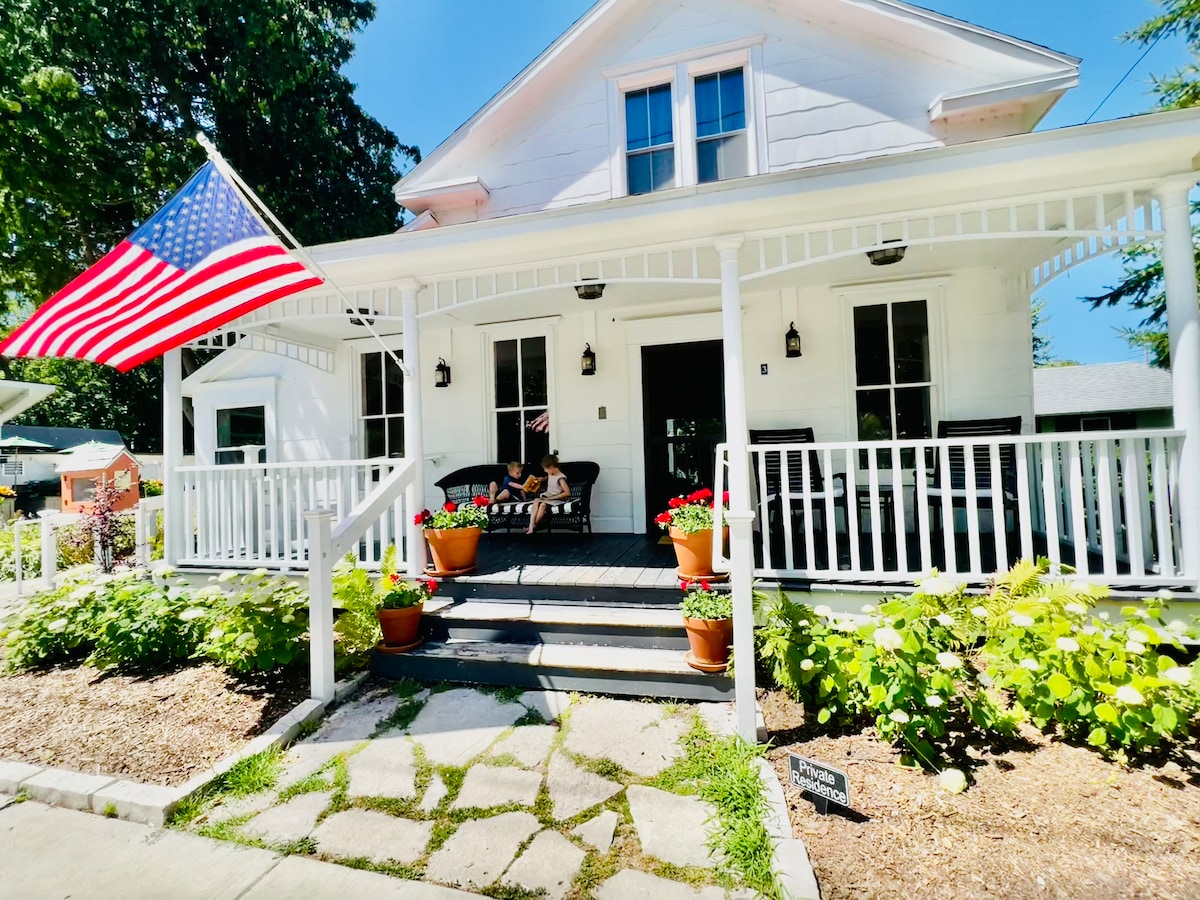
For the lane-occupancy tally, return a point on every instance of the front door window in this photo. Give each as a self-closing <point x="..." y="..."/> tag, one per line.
<point x="522" y="400"/>
<point x="382" y="406"/>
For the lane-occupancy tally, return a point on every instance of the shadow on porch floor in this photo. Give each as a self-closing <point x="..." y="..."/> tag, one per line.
<point x="595" y="560"/>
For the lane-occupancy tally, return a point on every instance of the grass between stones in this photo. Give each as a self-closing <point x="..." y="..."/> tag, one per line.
<point x="408" y="873"/>
<point x="531" y="717"/>
<point x="504" y="693"/>
<point x="401" y="717"/>
<point x="511" y="892"/>
<point x="250" y="776"/>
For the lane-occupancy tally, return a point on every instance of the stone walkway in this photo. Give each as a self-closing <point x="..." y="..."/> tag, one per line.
<point x="532" y="794"/>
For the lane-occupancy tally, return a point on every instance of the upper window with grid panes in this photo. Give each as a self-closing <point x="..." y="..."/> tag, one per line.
<point x="722" y="144"/>
<point x="649" y="139"/>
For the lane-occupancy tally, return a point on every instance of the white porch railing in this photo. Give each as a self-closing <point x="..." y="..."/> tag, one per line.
<point x="1102" y="502"/>
<point x="254" y="515"/>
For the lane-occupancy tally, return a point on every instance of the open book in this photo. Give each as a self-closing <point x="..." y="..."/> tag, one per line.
<point x="533" y="484"/>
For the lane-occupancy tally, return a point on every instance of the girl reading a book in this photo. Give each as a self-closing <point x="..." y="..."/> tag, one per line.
<point x="556" y="491"/>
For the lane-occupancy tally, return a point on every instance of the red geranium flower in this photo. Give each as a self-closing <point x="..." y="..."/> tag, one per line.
<point x="677" y="502"/>
<point x="430" y="585"/>
<point x="421" y="518"/>
<point x="482" y="502"/>
<point x="704" y="494"/>
<point x="725" y="498"/>
<point x="451" y="507"/>
<point x="684" y="584"/>
<point x="395" y="578"/>
<point x="663" y="518"/>
<point x="705" y="586"/>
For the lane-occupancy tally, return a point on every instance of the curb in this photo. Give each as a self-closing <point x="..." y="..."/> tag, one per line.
<point x="796" y="875"/>
<point x="150" y="804"/>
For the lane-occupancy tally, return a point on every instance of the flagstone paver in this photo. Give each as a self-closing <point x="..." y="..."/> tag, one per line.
<point x="574" y="790"/>
<point x="384" y="768"/>
<point x="434" y="794"/>
<point x="598" y="833"/>
<point x="357" y="720"/>
<point x="478" y="853"/>
<point x="548" y="864"/>
<point x="308" y="757"/>
<point x="630" y="884"/>
<point x="550" y="705"/>
<point x="670" y="827"/>
<point x="487" y="786"/>
<point x="365" y="834"/>
<point x="456" y="726"/>
<point x="293" y="821"/>
<point x="529" y="744"/>
<point x="238" y="807"/>
<point x="636" y="736"/>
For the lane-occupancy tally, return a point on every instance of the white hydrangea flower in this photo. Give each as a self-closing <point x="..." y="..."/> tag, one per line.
<point x="1020" y="619"/>
<point x="979" y="612"/>
<point x="57" y="625"/>
<point x="888" y="639"/>
<point x="986" y="680"/>
<point x="1130" y="696"/>
<point x="1067" y="645"/>
<point x="823" y="611"/>
<point x="1177" y="626"/>
<point x="870" y="610"/>
<point x="1076" y="609"/>
<point x="81" y="594"/>
<point x="189" y="614"/>
<point x="1089" y="630"/>
<point x="226" y="577"/>
<point x="1104" y="617"/>
<point x="953" y="781"/>
<point x="933" y="700"/>
<point x="949" y="661"/>
<point x="260" y="573"/>
<point x="845" y="625"/>
<point x="1030" y="664"/>
<point x="1166" y="595"/>
<point x="807" y="665"/>
<point x="1134" y="647"/>
<point x="899" y="716"/>
<point x="1081" y="586"/>
<point x="1181" y="675"/>
<point x="945" y="619"/>
<point x="940" y="586"/>
<point x="1141" y="613"/>
<point x="1144" y="635"/>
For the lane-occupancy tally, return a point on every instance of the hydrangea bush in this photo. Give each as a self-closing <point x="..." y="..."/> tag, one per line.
<point x="942" y="667"/>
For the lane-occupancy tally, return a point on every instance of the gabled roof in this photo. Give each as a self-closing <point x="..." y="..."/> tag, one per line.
<point x="902" y="23"/>
<point x="62" y="438"/>
<point x="1110" y="387"/>
<point x="93" y="457"/>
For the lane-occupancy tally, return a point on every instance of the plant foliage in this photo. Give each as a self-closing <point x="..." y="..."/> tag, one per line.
<point x="691" y="514"/>
<point x="455" y="515"/>
<point x="700" y="601"/>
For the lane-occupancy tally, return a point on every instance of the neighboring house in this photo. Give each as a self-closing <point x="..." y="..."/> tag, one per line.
<point x="30" y="453"/>
<point x="687" y="190"/>
<point x="88" y="465"/>
<point x="61" y="440"/>
<point x="1107" y="397"/>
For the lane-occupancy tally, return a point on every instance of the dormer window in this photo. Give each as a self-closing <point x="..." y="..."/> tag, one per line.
<point x="722" y="144"/>
<point x="650" y="139"/>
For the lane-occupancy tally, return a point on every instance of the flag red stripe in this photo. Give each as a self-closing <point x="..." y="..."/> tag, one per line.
<point x="211" y="325"/>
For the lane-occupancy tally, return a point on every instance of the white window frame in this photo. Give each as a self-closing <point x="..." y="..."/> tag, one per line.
<point x="510" y="331"/>
<point x="362" y="348"/>
<point x="212" y="396"/>
<point x="932" y="291"/>
<point x="681" y="72"/>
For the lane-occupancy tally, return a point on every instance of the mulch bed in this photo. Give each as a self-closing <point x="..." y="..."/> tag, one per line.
<point x="157" y="729"/>
<point x="1041" y="820"/>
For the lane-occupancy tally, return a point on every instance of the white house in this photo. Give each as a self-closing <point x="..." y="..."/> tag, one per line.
<point x="676" y="186"/>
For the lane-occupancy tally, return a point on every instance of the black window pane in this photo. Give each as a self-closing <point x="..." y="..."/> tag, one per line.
<point x="871" y="345"/>
<point x="637" y="120"/>
<point x="242" y="427"/>
<point x="537" y="444"/>
<point x="663" y="164"/>
<point x="372" y="383"/>
<point x="874" y="415"/>
<point x="376" y="438"/>
<point x="394" y="391"/>
<point x="733" y="101"/>
<point x="639" y="174"/>
<point x="395" y="437"/>
<point x="662" y="116"/>
<point x="508" y="437"/>
<point x="508" y="389"/>
<point x="708" y="106"/>
<point x="913" y="419"/>
<point x="911" y="324"/>
<point x="533" y="372"/>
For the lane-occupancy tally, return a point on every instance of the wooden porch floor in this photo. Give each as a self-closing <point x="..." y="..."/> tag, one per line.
<point x="589" y="560"/>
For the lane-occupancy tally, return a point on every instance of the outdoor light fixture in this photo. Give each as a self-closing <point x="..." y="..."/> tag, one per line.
<point x="589" y="361"/>
<point x="443" y="374"/>
<point x="793" y="343"/>
<point x="887" y="256"/>
<point x="591" y="289"/>
<point x="364" y="321"/>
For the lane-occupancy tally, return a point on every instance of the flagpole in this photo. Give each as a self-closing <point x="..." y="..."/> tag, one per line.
<point x="260" y="209"/>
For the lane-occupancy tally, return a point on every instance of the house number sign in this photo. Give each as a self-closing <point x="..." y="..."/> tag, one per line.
<point x="824" y="785"/>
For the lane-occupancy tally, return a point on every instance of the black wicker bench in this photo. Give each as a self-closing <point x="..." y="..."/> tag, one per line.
<point x="574" y="514"/>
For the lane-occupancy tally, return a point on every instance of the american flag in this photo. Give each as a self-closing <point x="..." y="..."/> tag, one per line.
<point x="200" y="262"/>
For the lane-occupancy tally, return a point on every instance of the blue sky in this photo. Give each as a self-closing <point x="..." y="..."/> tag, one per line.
<point x="423" y="67"/>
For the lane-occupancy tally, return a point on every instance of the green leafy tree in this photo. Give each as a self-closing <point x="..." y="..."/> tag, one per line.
<point x="100" y="100"/>
<point x="1043" y="343"/>
<point x="1142" y="287"/>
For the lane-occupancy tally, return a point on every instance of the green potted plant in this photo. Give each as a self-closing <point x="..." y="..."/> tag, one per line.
<point x="708" y="620"/>
<point x="689" y="521"/>
<point x="400" y="606"/>
<point x="453" y="534"/>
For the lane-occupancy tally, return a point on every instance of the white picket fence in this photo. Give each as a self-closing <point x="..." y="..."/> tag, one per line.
<point x="1102" y="502"/>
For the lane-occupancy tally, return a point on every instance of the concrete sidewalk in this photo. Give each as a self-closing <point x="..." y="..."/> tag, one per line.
<point x="53" y="854"/>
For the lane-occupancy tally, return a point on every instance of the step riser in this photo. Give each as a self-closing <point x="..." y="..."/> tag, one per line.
<point x="638" y="637"/>
<point x="560" y="595"/>
<point x="700" y="688"/>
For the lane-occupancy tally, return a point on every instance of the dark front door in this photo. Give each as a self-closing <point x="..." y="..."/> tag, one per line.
<point x="683" y="402"/>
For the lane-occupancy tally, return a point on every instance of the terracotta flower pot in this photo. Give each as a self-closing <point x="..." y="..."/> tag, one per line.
<point x="693" y="552"/>
<point x="401" y="627"/>
<point x="453" y="549"/>
<point x="710" y="642"/>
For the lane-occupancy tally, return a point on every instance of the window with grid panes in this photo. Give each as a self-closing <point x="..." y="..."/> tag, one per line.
<point x="382" y="401"/>
<point x="893" y="371"/>
<point x="245" y="426"/>
<point x="722" y="145"/>
<point x="649" y="140"/>
<point x="522" y="395"/>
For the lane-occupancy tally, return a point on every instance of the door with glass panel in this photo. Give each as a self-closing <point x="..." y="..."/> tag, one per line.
<point x="521" y="400"/>
<point x="382" y="397"/>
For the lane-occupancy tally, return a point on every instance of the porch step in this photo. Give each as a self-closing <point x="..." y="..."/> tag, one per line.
<point x="626" y="671"/>
<point x="486" y="590"/>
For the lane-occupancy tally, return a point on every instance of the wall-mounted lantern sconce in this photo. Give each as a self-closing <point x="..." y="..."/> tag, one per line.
<point x="364" y="321"/>
<point x="888" y="256"/>
<point x="588" y="363"/>
<point x="443" y="374"/>
<point x="590" y="289"/>
<point x="793" y="343"/>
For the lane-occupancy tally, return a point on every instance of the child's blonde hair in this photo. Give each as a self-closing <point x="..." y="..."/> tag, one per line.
<point x="515" y="465"/>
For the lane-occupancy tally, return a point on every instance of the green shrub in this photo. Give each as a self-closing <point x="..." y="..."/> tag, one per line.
<point x="261" y="626"/>
<point x="31" y="552"/>
<point x="57" y="625"/>
<point x="359" y="596"/>
<point x="142" y="623"/>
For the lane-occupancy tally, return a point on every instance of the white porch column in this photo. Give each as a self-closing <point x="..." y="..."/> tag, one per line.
<point x="740" y="516"/>
<point x="173" y="524"/>
<point x="320" y="604"/>
<point x="414" y="437"/>
<point x="1183" y="320"/>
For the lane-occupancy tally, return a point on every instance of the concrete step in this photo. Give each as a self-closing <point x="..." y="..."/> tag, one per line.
<point x="485" y="590"/>
<point x="627" y="671"/>
<point x="537" y="622"/>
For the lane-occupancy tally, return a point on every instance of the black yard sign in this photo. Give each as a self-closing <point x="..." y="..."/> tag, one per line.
<point x="823" y="784"/>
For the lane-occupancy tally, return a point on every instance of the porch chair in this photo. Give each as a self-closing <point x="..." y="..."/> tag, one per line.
<point x="826" y="497"/>
<point x="954" y="482"/>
